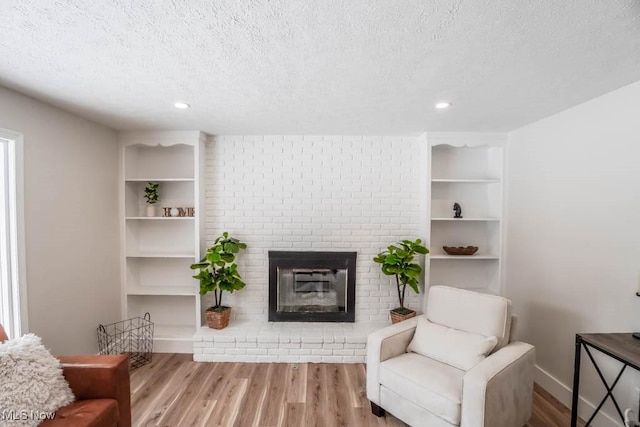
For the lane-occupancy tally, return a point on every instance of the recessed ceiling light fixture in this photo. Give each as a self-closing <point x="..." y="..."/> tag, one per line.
<point x="182" y="105"/>
<point x="443" y="105"/>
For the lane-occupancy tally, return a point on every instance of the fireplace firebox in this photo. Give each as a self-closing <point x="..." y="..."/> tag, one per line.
<point x="312" y="286"/>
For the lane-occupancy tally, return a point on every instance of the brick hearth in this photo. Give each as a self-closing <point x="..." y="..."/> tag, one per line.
<point x="287" y="342"/>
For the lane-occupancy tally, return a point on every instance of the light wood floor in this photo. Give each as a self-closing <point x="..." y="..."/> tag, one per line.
<point x="174" y="391"/>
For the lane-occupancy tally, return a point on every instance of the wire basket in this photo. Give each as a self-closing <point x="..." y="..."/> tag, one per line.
<point x="132" y="336"/>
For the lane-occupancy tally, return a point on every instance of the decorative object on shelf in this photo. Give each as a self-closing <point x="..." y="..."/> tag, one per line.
<point x="460" y="250"/>
<point x="219" y="273"/>
<point x="151" y="194"/>
<point x="457" y="209"/>
<point x="397" y="260"/>
<point x="168" y="212"/>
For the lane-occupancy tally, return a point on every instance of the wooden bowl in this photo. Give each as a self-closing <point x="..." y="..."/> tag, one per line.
<point x="460" y="250"/>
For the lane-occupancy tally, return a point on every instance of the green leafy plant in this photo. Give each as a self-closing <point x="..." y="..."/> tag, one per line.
<point x="218" y="270"/>
<point x="151" y="192"/>
<point x="397" y="260"/>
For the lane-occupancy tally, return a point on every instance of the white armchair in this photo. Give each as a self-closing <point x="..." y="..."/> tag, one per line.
<point x="454" y="366"/>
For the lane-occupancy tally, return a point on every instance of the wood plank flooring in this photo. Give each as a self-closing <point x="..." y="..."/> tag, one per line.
<point x="174" y="391"/>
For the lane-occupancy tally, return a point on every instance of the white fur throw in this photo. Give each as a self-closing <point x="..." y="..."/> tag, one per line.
<point x="31" y="382"/>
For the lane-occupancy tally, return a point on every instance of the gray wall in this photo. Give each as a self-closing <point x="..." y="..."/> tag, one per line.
<point x="573" y="229"/>
<point x="71" y="222"/>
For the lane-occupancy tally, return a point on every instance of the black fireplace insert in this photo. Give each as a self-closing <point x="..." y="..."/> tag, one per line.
<point x="308" y="286"/>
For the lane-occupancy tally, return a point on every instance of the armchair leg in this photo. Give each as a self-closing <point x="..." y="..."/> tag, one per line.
<point x="376" y="410"/>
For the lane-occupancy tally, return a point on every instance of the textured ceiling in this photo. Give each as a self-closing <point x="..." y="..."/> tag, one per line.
<point x="318" y="67"/>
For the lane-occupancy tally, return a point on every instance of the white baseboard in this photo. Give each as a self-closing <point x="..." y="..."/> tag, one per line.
<point x="165" y="345"/>
<point x="563" y="393"/>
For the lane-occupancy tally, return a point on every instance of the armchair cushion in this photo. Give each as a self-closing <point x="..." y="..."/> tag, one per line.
<point x="429" y="384"/>
<point x="460" y="349"/>
<point x="488" y="315"/>
<point x="384" y="344"/>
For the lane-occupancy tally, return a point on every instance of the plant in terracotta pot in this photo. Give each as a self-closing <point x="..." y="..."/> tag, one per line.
<point x="151" y="194"/>
<point x="219" y="273"/>
<point x="397" y="260"/>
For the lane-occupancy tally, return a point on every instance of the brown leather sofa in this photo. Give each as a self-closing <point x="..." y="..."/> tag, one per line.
<point x="101" y="387"/>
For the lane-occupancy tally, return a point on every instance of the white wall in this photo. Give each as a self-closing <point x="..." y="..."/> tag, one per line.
<point x="314" y="193"/>
<point x="573" y="260"/>
<point x="71" y="214"/>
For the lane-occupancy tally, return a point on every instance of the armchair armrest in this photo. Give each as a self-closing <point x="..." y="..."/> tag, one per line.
<point x="100" y="377"/>
<point x="498" y="391"/>
<point x="384" y="344"/>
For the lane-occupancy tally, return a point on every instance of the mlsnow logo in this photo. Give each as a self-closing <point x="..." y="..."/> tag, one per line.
<point x="24" y="415"/>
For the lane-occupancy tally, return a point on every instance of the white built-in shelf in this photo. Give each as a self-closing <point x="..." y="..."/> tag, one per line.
<point x="466" y="181"/>
<point x="161" y="255"/>
<point x="161" y="332"/>
<point x="160" y="180"/>
<point x="156" y="250"/>
<point x="481" y="290"/>
<point x="171" y="218"/>
<point x="464" y="257"/>
<point x="160" y="291"/>
<point x="468" y="169"/>
<point x="465" y="219"/>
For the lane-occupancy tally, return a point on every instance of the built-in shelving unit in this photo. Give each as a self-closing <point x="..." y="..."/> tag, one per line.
<point x="466" y="168"/>
<point x="157" y="250"/>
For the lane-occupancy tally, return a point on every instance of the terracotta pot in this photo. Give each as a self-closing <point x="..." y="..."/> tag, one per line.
<point x="397" y="317"/>
<point x="218" y="320"/>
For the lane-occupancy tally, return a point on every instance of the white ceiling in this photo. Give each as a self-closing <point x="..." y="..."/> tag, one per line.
<point x="318" y="67"/>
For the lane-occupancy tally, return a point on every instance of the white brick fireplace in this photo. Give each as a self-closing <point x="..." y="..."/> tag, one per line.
<point x="317" y="193"/>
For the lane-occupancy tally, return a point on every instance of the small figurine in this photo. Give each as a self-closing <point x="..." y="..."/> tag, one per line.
<point x="458" y="210"/>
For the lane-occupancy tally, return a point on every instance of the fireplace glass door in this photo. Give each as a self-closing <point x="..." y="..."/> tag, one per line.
<point x="312" y="290"/>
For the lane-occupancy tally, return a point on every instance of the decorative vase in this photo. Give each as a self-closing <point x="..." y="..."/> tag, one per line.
<point x="397" y="317"/>
<point x="218" y="320"/>
<point x="151" y="210"/>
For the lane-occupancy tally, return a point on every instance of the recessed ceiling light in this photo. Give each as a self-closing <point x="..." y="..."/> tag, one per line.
<point x="181" y="105"/>
<point x="443" y="105"/>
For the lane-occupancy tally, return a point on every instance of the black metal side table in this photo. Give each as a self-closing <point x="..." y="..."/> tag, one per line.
<point x="620" y="346"/>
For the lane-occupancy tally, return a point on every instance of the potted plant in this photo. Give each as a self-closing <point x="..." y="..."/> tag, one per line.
<point x="219" y="273"/>
<point x="397" y="260"/>
<point x="151" y="194"/>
